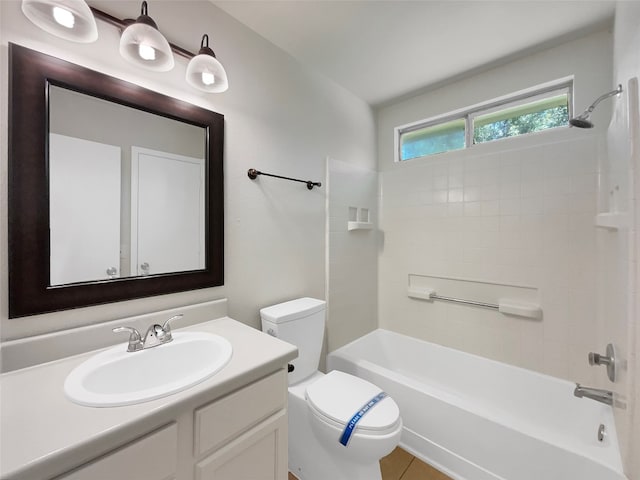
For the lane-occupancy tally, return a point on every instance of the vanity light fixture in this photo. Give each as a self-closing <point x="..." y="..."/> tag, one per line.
<point x="68" y="19"/>
<point x="205" y="72"/>
<point x="141" y="43"/>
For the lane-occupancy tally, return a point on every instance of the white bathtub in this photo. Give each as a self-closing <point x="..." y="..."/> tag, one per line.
<point x="478" y="419"/>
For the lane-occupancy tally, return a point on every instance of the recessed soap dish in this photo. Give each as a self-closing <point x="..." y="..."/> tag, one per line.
<point x="359" y="219"/>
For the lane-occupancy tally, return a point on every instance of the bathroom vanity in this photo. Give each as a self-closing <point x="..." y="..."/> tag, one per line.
<point x="231" y="426"/>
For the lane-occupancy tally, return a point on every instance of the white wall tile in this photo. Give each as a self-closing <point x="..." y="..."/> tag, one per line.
<point x="534" y="226"/>
<point x="473" y="209"/>
<point x="619" y="165"/>
<point x="352" y="268"/>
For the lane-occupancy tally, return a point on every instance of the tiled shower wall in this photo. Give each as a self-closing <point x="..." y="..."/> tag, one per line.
<point x="614" y="254"/>
<point x="352" y="255"/>
<point x="519" y="216"/>
<point x="619" y="321"/>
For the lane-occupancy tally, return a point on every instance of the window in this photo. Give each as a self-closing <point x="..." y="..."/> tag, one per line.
<point x="438" y="138"/>
<point x="532" y="116"/>
<point x="520" y="114"/>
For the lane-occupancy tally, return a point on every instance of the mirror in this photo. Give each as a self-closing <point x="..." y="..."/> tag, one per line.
<point x="115" y="191"/>
<point x="126" y="191"/>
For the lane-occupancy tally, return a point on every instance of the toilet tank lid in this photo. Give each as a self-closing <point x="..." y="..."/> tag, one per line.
<point x="292" y="310"/>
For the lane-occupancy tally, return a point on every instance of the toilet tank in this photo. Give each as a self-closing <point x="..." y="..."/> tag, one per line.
<point x="301" y="323"/>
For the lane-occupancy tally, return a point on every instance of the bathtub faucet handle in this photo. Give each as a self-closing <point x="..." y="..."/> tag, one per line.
<point x="597" y="359"/>
<point x="608" y="360"/>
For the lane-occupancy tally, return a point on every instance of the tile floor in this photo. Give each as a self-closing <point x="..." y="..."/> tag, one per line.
<point x="401" y="465"/>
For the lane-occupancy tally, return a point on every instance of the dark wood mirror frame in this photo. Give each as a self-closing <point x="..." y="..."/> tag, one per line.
<point x="30" y="74"/>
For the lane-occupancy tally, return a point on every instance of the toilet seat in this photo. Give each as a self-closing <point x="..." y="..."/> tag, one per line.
<point x="337" y="397"/>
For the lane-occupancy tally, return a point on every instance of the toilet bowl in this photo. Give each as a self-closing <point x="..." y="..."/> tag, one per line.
<point x="321" y="407"/>
<point x="334" y="399"/>
<point x="315" y="451"/>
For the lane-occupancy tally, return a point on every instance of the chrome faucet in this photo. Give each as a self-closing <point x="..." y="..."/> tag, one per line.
<point x="156" y="335"/>
<point x="602" y="396"/>
<point x="135" y="341"/>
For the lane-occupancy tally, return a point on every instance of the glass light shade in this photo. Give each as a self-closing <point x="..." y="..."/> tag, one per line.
<point x="145" y="46"/>
<point x="68" y="19"/>
<point x="206" y="73"/>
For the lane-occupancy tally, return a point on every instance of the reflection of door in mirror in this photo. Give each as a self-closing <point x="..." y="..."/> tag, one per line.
<point x="167" y="212"/>
<point x="84" y="210"/>
<point x="174" y="234"/>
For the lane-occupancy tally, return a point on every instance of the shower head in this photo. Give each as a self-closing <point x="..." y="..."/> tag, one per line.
<point x="583" y="120"/>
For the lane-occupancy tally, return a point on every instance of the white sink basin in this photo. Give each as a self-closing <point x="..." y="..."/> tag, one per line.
<point x="116" y="377"/>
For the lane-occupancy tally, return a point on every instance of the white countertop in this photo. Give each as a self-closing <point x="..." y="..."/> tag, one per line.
<point x="43" y="434"/>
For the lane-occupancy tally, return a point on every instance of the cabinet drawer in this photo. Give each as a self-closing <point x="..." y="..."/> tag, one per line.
<point x="153" y="457"/>
<point x="224" y="419"/>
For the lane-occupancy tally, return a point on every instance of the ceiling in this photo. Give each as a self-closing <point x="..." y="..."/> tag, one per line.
<point x="384" y="49"/>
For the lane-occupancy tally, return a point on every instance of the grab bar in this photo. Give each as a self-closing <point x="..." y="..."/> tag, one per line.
<point x="493" y="306"/>
<point x="508" y="307"/>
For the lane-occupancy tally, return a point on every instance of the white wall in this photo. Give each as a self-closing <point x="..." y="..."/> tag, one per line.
<point x="518" y="212"/>
<point x="618" y="251"/>
<point x="352" y="258"/>
<point x="279" y="118"/>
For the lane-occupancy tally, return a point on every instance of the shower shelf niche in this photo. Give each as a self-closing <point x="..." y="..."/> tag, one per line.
<point x="359" y="219"/>
<point x="359" y="225"/>
<point x="611" y="220"/>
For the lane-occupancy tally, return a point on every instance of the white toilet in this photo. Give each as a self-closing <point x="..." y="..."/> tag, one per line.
<point x="321" y="406"/>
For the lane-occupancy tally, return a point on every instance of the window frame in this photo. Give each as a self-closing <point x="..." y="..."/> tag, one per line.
<point x="469" y="114"/>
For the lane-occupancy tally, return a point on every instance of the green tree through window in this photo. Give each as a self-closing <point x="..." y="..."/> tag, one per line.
<point x="522" y="124"/>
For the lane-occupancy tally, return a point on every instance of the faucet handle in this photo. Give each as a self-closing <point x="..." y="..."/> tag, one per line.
<point x="135" y="340"/>
<point x="608" y="360"/>
<point x="166" y="325"/>
<point x="597" y="359"/>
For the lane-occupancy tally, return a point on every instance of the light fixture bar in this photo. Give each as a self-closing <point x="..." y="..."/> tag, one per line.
<point x="122" y="24"/>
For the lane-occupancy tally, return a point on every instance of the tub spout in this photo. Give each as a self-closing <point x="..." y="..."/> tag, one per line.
<point x="602" y="396"/>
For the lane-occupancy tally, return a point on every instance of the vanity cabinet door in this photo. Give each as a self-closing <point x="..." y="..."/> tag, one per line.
<point x="153" y="457"/>
<point x="258" y="454"/>
<point x="217" y="423"/>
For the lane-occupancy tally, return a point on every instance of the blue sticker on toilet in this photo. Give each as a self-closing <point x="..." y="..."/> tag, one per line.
<point x="351" y="424"/>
